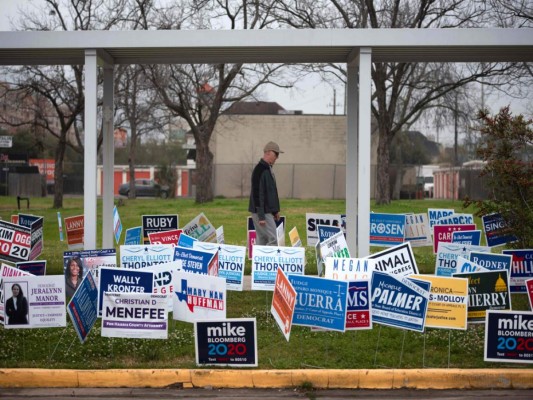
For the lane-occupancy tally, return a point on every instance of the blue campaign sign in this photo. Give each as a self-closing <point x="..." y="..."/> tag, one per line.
<point x="133" y="236"/>
<point x="387" y="229"/>
<point x="508" y="336"/>
<point x="195" y="261"/>
<point x="27" y="219"/>
<point x="492" y="261"/>
<point x="320" y="302"/>
<point x="467" y="237"/>
<point x="117" y="224"/>
<point x="521" y="269"/>
<point x="83" y="308"/>
<point x="399" y="302"/>
<point x="497" y="232"/>
<point x="186" y="241"/>
<point x="124" y="280"/>
<point x="326" y="231"/>
<point x="434" y="214"/>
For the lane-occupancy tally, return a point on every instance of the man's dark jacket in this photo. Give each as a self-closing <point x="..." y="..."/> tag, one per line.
<point x="264" y="194"/>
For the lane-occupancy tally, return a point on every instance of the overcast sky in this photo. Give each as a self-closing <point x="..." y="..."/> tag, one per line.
<point x="311" y="95"/>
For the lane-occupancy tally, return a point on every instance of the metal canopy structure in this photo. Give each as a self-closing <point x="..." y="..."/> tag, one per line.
<point x="357" y="48"/>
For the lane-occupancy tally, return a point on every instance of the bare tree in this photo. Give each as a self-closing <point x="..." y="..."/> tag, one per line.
<point x="402" y="91"/>
<point x="198" y="93"/>
<point x="138" y="109"/>
<point x="60" y="89"/>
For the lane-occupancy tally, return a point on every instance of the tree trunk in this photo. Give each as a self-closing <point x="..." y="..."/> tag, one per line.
<point x="58" y="174"/>
<point x="383" y="186"/>
<point x="204" y="172"/>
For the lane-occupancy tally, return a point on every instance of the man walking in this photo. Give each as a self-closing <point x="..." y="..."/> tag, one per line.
<point x="264" y="201"/>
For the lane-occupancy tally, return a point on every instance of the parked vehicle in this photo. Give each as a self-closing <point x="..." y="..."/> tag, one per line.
<point x="145" y="188"/>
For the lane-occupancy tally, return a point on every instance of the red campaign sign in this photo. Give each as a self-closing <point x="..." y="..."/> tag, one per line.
<point x="283" y="303"/>
<point x="251" y="242"/>
<point x="444" y="233"/>
<point x="74" y="227"/>
<point x="529" y="289"/>
<point x="165" y="237"/>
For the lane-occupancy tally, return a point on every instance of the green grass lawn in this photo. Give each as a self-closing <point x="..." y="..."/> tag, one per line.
<point x="381" y="347"/>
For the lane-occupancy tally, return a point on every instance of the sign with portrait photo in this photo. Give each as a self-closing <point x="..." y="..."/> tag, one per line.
<point x="35" y="302"/>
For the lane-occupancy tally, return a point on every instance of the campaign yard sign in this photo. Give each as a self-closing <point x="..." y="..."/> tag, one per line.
<point x="456" y="219"/>
<point x="417" y="230"/>
<point x="326" y="231"/>
<point x="488" y="290"/>
<point x="313" y="220"/>
<point x="447" y="254"/>
<point x="16" y="242"/>
<point x="349" y="269"/>
<point x="45" y="297"/>
<point x="387" y="229"/>
<point x="201" y="229"/>
<point x="135" y="315"/>
<point x="448" y="302"/>
<point x="280" y="234"/>
<point x="165" y="237"/>
<point x="199" y="297"/>
<point x="267" y="260"/>
<point x="91" y="260"/>
<point x="334" y="246"/>
<point x="398" y="260"/>
<point x="35" y="223"/>
<point x="492" y="261"/>
<point x="521" y="268"/>
<point x="529" y="288"/>
<point x="83" y="307"/>
<point x="465" y="265"/>
<point x="123" y="280"/>
<point x="320" y="302"/>
<point x="497" y="232"/>
<point x="37" y="267"/>
<point x="467" y="237"/>
<point x="283" y="303"/>
<point x="133" y="236"/>
<point x="358" y="307"/>
<point x="158" y="223"/>
<point x="146" y="255"/>
<point x="294" y="238"/>
<point x="220" y="235"/>
<point x="197" y="261"/>
<point x="443" y="233"/>
<point x="164" y="280"/>
<point x="186" y="241"/>
<point x="117" y="224"/>
<point x="399" y="301"/>
<point x="7" y="271"/>
<point x="74" y="228"/>
<point x="434" y="214"/>
<point x="509" y="336"/>
<point x="229" y="342"/>
<point x="231" y="262"/>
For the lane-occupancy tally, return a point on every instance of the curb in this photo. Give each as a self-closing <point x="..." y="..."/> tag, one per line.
<point x="320" y="379"/>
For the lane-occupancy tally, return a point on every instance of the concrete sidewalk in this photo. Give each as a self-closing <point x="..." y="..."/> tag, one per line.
<point x="218" y="378"/>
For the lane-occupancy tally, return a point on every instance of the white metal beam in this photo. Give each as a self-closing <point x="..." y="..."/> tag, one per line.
<point x="90" y="144"/>
<point x="364" y="151"/>
<point x="108" y="156"/>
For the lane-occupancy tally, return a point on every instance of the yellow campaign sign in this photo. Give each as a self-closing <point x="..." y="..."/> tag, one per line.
<point x="448" y="302"/>
<point x="295" y="238"/>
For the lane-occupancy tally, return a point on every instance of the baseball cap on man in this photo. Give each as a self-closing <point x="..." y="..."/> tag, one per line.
<point x="272" y="146"/>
